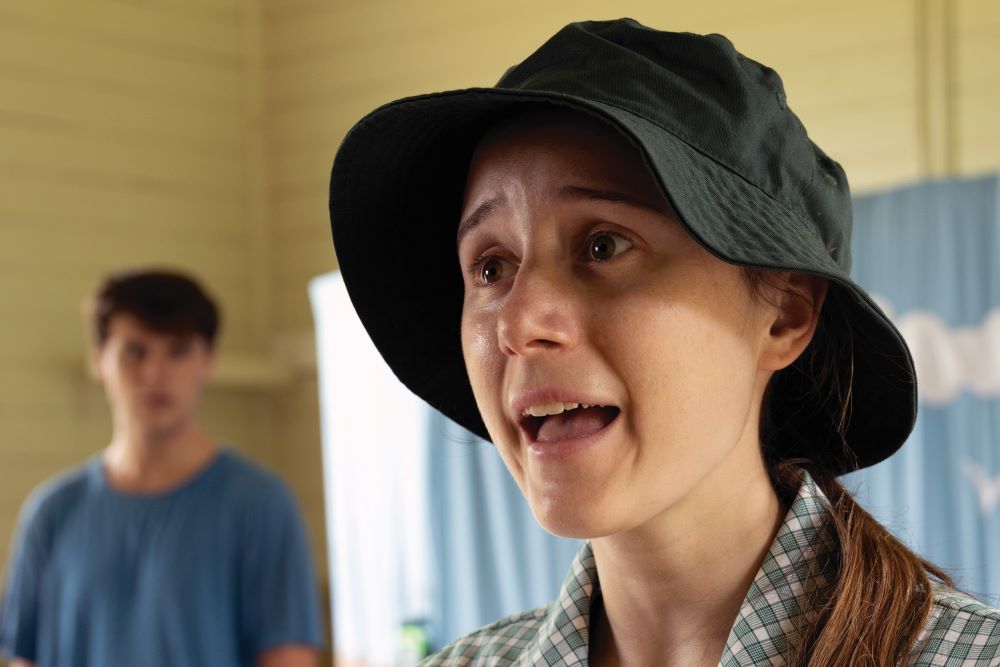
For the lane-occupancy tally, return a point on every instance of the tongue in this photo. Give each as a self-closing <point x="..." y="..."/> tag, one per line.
<point x="577" y="423"/>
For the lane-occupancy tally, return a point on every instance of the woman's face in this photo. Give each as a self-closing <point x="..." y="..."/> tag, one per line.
<point x="582" y="289"/>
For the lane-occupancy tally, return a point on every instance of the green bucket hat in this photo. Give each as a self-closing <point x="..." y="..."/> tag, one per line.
<point x="730" y="156"/>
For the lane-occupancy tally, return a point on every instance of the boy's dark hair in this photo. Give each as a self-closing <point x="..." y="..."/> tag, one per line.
<point x="165" y="301"/>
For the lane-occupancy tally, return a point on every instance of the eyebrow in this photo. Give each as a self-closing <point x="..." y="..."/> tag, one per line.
<point x="477" y="216"/>
<point x="566" y="192"/>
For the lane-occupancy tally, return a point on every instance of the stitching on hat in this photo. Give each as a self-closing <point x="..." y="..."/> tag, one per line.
<point x="787" y="206"/>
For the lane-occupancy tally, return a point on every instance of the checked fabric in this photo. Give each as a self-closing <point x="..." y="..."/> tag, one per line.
<point x="961" y="632"/>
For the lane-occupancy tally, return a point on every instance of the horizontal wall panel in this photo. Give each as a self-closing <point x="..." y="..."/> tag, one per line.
<point x="163" y="162"/>
<point x="880" y="172"/>
<point x="54" y="191"/>
<point x="976" y="16"/>
<point x="224" y="12"/>
<point x="23" y="44"/>
<point x="277" y="12"/>
<point x="977" y="62"/>
<point x="44" y="343"/>
<point x="50" y="429"/>
<point x="85" y="225"/>
<point x="134" y="28"/>
<point x="31" y="97"/>
<point x="858" y="80"/>
<point x="30" y="386"/>
<point x="977" y="129"/>
<point x="307" y="258"/>
<point x="884" y="123"/>
<point x="977" y="87"/>
<point x="50" y="329"/>
<point x="310" y="186"/>
<point x="321" y="127"/>
<point x="61" y="307"/>
<point x="366" y="29"/>
<point x="227" y="283"/>
<point x="62" y="316"/>
<point x="100" y="82"/>
<point x="314" y="230"/>
<point x="47" y="122"/>
<point x="304" y="167"/>
<point x="60" y="176"/>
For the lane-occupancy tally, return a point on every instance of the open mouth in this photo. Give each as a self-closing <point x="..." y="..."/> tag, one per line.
<point x="566" y="421"/>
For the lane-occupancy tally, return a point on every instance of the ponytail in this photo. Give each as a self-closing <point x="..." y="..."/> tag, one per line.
<point x="881" y="595"/>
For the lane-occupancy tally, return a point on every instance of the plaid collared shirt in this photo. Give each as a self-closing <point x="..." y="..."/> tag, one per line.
<point x="960" y="631"/>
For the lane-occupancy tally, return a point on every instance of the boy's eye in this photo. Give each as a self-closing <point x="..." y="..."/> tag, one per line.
<point x="178" y="351"/>
<point x="606" y="246"/>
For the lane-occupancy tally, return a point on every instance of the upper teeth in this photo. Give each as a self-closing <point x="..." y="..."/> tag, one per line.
<point x="546" y="409"/>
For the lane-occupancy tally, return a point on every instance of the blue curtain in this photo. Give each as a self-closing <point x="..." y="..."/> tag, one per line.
<point x="490" y="556"/>
<point x="929" y="254"/>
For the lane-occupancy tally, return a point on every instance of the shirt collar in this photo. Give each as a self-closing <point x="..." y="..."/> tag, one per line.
<point x="781" y="601"/>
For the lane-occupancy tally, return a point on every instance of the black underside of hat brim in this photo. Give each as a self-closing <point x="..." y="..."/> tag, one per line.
<point x="395" y="200"/>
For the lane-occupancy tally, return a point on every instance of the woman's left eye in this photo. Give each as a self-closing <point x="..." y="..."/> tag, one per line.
<point x="605" y="245"/>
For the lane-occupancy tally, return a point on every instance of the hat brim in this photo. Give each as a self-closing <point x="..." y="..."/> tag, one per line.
<point x="395" y="200"/>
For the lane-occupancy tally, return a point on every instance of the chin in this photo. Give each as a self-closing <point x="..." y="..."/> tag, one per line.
<point x="576" y="516"/>
<point x="162" y="430"/>
<point x="577" y="527"/>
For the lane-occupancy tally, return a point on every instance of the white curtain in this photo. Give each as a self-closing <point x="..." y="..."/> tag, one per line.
<point x="375" y="474"/>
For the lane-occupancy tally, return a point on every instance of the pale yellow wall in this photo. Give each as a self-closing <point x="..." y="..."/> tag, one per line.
<point x="976" y="88"/>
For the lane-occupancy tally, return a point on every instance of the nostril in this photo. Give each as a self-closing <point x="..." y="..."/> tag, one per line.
<point x="526" y="329"/>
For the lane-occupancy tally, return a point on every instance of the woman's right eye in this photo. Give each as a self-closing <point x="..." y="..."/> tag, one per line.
<point x="487" y="269"/>
<point x="490" y="270"/>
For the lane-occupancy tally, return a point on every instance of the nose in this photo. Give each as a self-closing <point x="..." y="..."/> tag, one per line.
<point x="539" y="313"/>
<point x="154" y="368"/>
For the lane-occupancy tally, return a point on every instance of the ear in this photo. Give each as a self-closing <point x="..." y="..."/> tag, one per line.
<point x="798" y="299"/>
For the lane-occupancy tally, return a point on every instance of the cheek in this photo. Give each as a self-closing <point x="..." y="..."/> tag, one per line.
<point x="688" y="366"/>
<point x="485" y="365"/>
<point x="482" y="360"/>
<point x="191" y="378"/>
<point x="477" y="341"/>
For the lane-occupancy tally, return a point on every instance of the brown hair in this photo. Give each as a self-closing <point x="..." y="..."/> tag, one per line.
<point x="164" y="301"/>
<point x="881" y="595"/>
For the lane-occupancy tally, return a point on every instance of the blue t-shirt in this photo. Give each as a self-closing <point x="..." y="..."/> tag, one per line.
<point x="210" y="573"/>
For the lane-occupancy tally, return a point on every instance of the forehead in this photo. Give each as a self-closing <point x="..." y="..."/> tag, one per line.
<point x="540" y="147"/>
<point x="125" y="327"/>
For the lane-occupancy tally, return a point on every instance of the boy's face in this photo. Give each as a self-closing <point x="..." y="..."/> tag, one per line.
<point x="153" y="380"/>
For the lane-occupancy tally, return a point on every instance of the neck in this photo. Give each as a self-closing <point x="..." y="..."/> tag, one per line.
<point x="138" y="462"/>
<point x="673" y="587"/>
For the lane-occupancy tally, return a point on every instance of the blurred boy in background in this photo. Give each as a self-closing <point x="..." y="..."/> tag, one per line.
<point x="166" y="548"/>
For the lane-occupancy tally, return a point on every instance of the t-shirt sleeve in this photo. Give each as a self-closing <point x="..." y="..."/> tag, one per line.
<point x="279" y="601"/>
<point x="19" y="610"/>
